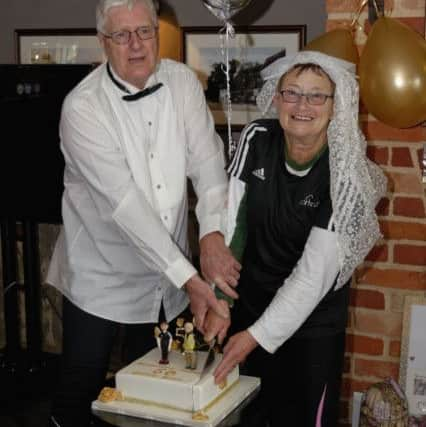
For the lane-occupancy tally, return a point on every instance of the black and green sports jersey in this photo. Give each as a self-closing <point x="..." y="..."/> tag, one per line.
<point x="281" y="208"/>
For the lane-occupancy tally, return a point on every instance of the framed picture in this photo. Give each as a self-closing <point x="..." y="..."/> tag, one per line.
<point x="412" y="372"/>
<point x="58" y="46"/>
<point x="204" y="50"/>
<point x="222" y="130"/>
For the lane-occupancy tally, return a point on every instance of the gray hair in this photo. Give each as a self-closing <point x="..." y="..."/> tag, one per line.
<point x="105" y="5"/>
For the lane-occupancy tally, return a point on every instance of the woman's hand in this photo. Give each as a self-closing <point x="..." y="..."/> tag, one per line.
<point x="236" y="350"/>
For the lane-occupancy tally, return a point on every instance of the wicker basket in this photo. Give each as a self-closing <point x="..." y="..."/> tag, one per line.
<point x="384" y="405"/>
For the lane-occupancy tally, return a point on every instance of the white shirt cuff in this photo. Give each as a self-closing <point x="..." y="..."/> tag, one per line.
<point x="180" y="272"/>
<point x="210" y="224"/>
<point x="259" y="334"/>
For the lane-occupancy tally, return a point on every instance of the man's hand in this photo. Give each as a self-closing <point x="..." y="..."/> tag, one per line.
<point x="218" y="265"/>
<point x="203" y="299"/>
<point x="216" y="326"/>
<point x="236" y="350"/>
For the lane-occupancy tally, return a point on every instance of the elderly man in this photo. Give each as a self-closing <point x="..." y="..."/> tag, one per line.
<point x="131" y="134"/>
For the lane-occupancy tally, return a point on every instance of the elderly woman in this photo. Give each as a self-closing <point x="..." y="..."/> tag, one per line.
<point x="301" y="216"/>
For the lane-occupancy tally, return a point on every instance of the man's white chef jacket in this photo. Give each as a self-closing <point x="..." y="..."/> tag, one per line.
<point x="123" y="247"/>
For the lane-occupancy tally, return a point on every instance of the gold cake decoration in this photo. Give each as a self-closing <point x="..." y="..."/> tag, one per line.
<point x="200" y="416"/>
<point x="109" y="394"/>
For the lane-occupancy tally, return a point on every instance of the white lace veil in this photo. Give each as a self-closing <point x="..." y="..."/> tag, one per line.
<point x="356" y="183"/>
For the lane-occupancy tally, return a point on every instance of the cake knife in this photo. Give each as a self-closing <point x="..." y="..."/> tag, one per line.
<point x="210" y="356"/>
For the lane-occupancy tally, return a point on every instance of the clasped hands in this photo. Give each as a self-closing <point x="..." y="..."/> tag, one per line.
<point x="212" y="316"/>
<point x="218" y="266"/>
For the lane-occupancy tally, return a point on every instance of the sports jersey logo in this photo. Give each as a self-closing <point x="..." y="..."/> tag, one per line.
<point x="259" y="173"/>
<point x="309" y="201"/>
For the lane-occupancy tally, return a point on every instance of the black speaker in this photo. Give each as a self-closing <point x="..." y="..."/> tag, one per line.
<point x="31" y="163"/>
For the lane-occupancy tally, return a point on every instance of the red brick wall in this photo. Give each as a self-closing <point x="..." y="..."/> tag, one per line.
<point x="396" y="267"/>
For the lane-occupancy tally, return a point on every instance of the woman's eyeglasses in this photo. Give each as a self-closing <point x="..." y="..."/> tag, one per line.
<point x="124" y="36"/>
<point x="292" y="96"/>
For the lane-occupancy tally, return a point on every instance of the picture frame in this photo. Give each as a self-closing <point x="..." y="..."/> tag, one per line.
<point x="412" y="371"/>
<point x="60" y="46"/>
<point x="252" y="47"/>
<point x="222" y="131"/>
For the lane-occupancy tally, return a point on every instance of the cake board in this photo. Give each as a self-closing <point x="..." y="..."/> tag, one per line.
<point x="236" y="395"/>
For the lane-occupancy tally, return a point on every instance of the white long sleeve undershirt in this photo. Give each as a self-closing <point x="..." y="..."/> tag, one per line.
<point x="310" y="280"/>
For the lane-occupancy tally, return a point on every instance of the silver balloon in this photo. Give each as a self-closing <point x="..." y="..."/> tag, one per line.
<point x="225" y="9"/>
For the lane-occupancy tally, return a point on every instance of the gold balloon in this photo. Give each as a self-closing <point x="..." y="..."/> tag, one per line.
<point x="170" y="37"/>
<point x="338" y="43"/>
<point x="392" y="72"/>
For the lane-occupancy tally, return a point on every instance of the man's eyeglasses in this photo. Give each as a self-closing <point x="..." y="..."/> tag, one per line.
<point x="124" y="36"/>
<point x="292" y="96"/>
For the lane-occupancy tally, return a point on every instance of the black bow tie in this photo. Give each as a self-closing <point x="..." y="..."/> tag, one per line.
<point x="133" y="96"/>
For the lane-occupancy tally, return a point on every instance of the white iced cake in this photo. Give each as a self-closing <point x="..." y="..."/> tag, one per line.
<point x="172" y="385"/>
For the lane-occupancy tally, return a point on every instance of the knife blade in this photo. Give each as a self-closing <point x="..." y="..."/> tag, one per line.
<point x="210" y="356"/>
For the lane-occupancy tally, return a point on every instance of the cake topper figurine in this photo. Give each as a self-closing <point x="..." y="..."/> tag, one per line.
<point x="179" y="333"/>
<point x="164" y="341"/>
<point x="189" y="346"/>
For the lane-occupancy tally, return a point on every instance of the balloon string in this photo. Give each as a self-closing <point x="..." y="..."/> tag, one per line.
<point x="363" y="3"/>
<point x="378" y="12"/>
<point x="231" y="144"/>
<point x="358" y="13"/>
<point x="229" y="33"/>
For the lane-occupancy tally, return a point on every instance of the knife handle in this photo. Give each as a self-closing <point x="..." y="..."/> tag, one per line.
<point x="221" y="295"/>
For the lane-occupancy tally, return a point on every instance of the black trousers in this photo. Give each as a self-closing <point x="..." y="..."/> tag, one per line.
<point x="300" y="382"/>
<point x="87" y="345"/>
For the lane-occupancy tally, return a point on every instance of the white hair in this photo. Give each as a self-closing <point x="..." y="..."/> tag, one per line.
<point x="105" y="5"/>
